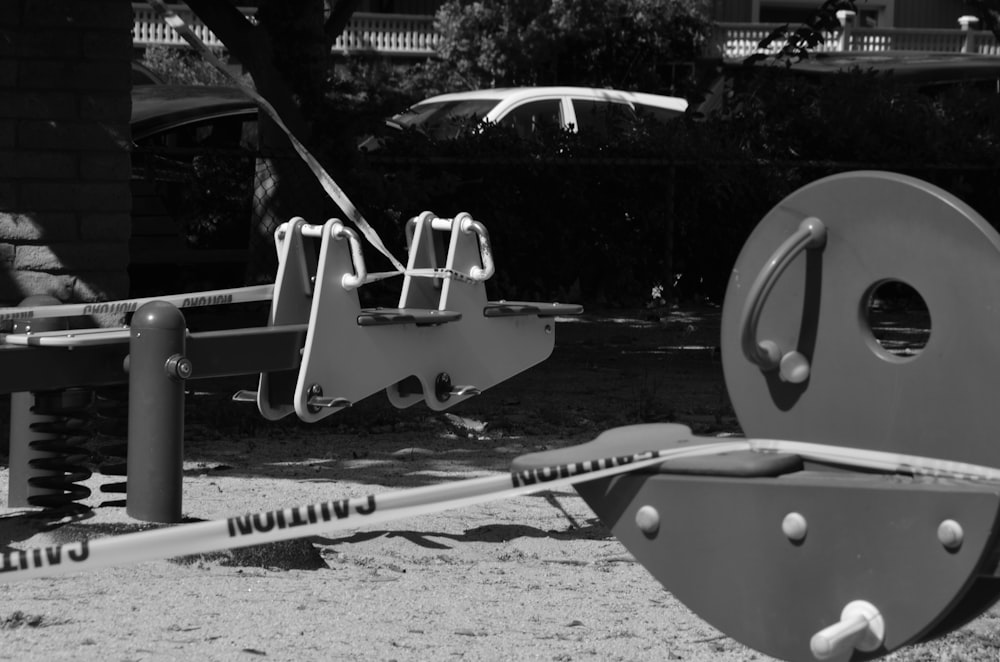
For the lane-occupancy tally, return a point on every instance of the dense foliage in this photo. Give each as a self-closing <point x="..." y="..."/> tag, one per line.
<point x="178" y="66"/>
<point x="576" y="219"/>
<point x="612" y="43"/>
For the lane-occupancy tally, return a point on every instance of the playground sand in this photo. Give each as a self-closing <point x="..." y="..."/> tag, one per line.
<point x="529" y="578"/>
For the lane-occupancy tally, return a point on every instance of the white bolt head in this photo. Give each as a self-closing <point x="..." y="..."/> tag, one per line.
<point x="648" y="520"/>
<point x="795" y="527"/>
<point x="950" y="534"/>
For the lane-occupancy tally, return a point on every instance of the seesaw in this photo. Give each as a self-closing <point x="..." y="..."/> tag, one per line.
<point x="872" y="522"/>
<point x="860" y="513"/>
<point x="320" y="352"/>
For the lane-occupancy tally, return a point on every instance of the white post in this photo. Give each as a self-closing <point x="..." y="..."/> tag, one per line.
<point x="846" y="18"/>
<point x="967" y="24"/>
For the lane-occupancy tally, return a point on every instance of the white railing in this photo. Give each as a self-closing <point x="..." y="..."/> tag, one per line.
<point x="409" y="35"/>
<point x="390" y="34"/>
<point x="738" y="40"/>
<point x="148" y="29"/>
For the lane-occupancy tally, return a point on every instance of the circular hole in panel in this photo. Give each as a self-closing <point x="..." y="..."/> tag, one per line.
<point x="897" y="318"/>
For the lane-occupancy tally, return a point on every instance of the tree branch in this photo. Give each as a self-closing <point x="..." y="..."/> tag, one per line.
<point x="340" y="14"/>
<point x="231" y="27"/>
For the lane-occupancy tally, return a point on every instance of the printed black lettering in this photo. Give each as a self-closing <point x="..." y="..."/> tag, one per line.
<point x="524" y="478"/>
<point x="240" y="526"/>
<point x="341" y="509"/>
<point x="6" y="567"/>
<point x="280" y="516"/>
<point x="192" y="302"/>
<point x="81" y="554"/>
<point x="297" y="518"/>
<point x="266" y="525"/>
<point x="324" y="509"/>
<point x="53" y="555"/>
<point x="114" y="307"/>
<point x="311" y="514"/>
<point x="23" y="559"/>
<point x="368" y="509"/>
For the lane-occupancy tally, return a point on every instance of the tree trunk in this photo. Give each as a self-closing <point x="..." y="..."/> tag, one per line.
<point x="287" y="53"/>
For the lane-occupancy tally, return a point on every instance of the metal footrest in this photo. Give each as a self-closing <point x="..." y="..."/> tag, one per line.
<point x="524" y="308"/>
<point x="244" y="395"/>
<point x="418" y="316"/>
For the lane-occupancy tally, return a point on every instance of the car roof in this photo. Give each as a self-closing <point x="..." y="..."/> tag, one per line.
<point x="512" y="94"/>
<point x="159" y="107"/>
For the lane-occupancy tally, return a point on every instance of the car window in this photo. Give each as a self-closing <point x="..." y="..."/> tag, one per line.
<point x="602" y="118"/>
<point x="230" y="132"/>
<point x="533" y="116"/>
<point x="443" y="120"/>
<point x="656" y="113"/>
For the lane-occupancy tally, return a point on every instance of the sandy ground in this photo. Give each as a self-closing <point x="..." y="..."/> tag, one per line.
<point x="529" y="578"/>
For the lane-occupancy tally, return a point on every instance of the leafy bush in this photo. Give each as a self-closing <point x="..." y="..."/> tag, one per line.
<point x="600" y="43"/>
<point x="182" y="66"/>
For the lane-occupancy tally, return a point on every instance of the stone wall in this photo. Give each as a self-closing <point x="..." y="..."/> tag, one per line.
<point x="65" y="81"/>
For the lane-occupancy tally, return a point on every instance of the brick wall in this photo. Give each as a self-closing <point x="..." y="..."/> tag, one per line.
<point x="65" y="81"/>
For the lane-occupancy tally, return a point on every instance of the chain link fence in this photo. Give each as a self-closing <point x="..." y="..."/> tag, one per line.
<point x="599" y="231"/>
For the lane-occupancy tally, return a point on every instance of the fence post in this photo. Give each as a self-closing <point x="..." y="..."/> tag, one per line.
<point x="157" y="369"/>
<point x="668" y="236"/>
<point x="967" y="23"/>
<point x="846" y="18"/>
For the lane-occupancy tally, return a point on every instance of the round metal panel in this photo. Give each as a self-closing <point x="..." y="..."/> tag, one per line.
<point x="880" y="227"/>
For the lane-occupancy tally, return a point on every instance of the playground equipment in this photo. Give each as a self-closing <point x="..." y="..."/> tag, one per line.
<point x="832" y="545"/>
<point x="320" y="352"/>
<point x="860" y="514"/>
<point x="443" y="344"/>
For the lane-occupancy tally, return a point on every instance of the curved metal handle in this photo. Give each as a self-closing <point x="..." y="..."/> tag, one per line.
<point x="468" y="225"/>
<point x="766" y="354"/>
<point x="354" y="280"/>
<point x="411" y="225"/>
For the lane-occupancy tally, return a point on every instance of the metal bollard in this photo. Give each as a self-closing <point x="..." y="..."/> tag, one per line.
<point x="157" y="368"/>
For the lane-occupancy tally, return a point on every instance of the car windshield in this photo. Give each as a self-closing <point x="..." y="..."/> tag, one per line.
<point x="442" y="120"/>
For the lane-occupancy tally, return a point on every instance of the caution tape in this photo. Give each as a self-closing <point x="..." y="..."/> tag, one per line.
<point x="330" y="186"/>
<point x="882" y="461"/>
<point x="360" y="512"/>
<point x="221" y="297"/>
<point x="189" y="300"/>
<point x="325" y="517"/>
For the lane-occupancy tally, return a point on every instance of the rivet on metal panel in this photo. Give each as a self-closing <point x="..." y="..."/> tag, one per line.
<point x="950" y="534"/>
<point x="648" y="520"/>
<point x="795" y="527"/>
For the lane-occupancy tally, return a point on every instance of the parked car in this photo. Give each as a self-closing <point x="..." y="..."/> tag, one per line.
<point x="172" y="114"/>
<point x="192" y="176"/>
<point x="525" y="109"/>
